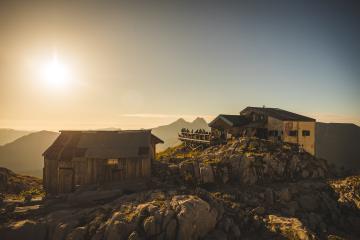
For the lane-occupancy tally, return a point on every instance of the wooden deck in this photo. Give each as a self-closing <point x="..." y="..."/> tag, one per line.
<point x="194" y="139"/>
<point x="189" y="139"/>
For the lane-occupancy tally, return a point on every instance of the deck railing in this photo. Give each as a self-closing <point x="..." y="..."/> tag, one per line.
<point x="205" y="138"/>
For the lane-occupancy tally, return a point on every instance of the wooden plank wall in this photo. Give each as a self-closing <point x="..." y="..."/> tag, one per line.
<point x="50" y="179"/>
<point x="61" y="176"/>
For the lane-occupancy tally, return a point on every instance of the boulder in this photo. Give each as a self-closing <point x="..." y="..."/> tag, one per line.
<point x="308" y="203"/>
<point x="292" y="207"/>
<point x="186" y="169"/>
<point x="235" y="231"/>
<point x="216" y="235"/>
<point x="134" y="236"/>
<point x="170" y="232"/>
<point x="259" y="210"/>
<point x="25" y="229"/>
<point x="269" y="196"/>
<point x="117" y="229"/>
<point x="305" y="173"/>
<point x="63" y="229"/>
<point x="196" y="169"/>
<point x="207" y="174"/>
<point x="284" y="195"/>
<point x="247" y="172"/>
<point x="195" y="216"/>
<point x="168" y="215"/>
<point x="151" y="226"/>
<point x="290" y="228"/>
<point x="77" y="234"/>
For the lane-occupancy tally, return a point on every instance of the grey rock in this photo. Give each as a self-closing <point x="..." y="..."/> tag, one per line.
<point x="25" y="229"/>
<point x="269" y="196"/>
<point x="284" y="195"/>
<point x="77" y="234"/>
<point x="308" y="203"/>
<point x="195" y="216"/>
<point x="216" y="235"/>
<point x="207" y="174"/>
<point x="63" y="229"/>
<point x="259" y="210"/>
<point x="151" y="226"/>
<point x="170" y="232"/>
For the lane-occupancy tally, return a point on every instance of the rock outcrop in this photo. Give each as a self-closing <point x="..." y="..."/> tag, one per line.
<point x="247" y="161"/>
<point x="13" y="183"/>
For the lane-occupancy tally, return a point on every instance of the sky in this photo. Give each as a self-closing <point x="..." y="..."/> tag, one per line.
<point x="141" y="64"/>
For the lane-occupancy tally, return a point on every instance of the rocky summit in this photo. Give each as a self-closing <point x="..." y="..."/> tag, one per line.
<point x="246" y="189"/>
<point x="247" y="161"/>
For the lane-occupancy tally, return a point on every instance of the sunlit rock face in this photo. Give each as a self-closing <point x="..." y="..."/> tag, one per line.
<point x="247" y="161"/>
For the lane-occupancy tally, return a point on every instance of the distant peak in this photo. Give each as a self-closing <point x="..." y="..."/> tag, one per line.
<point x="199" y="120"/>
<point x="180" y="120"/>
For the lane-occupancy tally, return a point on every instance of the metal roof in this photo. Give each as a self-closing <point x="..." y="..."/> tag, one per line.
<point x="278" y="114"/>
<point x="100" y="144"/>
<point x="232" y="120"/>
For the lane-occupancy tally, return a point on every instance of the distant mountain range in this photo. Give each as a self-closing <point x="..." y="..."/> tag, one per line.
<point x="24" y="155"/>
<point x="169" y="133"/>
<point x="9" y="135"/>
<point x="336" y="142"/>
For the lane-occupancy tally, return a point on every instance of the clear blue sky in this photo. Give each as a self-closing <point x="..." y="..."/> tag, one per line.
<point x="141" y="65"/>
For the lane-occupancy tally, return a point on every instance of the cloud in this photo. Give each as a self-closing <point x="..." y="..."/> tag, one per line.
<point x="167" y="116"/>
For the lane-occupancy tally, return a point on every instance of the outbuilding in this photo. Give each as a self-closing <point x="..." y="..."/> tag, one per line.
<point x="79" y="158"/>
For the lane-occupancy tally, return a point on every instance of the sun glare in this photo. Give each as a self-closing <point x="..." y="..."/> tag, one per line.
<point x="55" y="73"/>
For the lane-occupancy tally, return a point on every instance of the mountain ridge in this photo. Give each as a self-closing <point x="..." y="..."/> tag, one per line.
<point x="169" y="132"/>
<point x="24" y="155"/>
<point x="8" y="135"/>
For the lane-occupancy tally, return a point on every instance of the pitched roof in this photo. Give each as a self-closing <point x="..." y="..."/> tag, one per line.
<point x="99" y="144"/>
<point x="278" y="114"/>
<point x="232" y="120"/>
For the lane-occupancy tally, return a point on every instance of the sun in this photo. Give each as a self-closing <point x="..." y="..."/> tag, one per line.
<point x="55" y="73"/>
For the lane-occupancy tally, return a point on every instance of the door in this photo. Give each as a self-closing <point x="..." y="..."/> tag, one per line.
<point x="66" y="180"/>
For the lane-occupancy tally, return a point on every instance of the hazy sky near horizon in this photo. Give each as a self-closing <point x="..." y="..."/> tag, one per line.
<point x="145" y="64"/>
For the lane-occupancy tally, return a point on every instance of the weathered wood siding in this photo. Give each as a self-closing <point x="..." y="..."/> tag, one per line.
<point x="66" y="180"/>
<point x="50" y="172"/>
<point x="62" y="176"/>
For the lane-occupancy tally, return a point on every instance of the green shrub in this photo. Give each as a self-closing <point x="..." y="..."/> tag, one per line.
<point x="32" y="192"/>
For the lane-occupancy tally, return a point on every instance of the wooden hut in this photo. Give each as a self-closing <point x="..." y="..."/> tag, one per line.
<point x="95" y="157"/>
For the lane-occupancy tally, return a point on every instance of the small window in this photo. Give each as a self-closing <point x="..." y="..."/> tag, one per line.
<point x="254" y="117"/>
<point x="306" y="133"/>
<point x="293" y="133"/>
<point x="112" y="161"/>
<point x="143" y="150"/>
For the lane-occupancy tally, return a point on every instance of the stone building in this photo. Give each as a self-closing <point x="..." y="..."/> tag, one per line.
<point x="267" y="123"/>
<point x="79" y="158"/>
